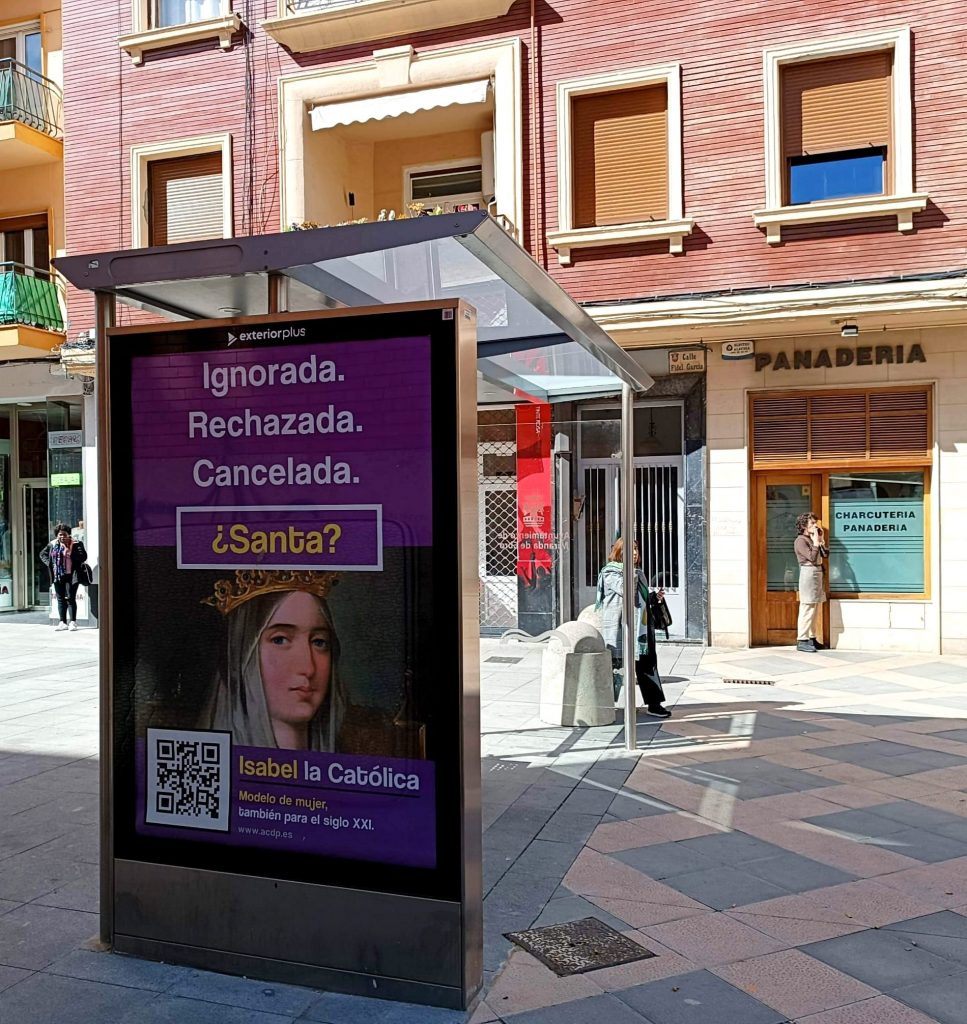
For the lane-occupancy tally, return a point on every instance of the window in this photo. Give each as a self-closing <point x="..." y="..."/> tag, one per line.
<point x="836" y="175"/>
<point x="839" y="133"/>
<point x="620" y="156"/>
<point x="184" y="191"/>
<point x="26" y="241"/>
<point x="455" y="189"/>
<point x="836" y="126"/>
<point x="185" y="199"/>
<point x="157" y="24"/>
<point x="876" y="543"/>
<point x="796" y="429"/>
<point x="620" y="161"/>
<point x="24" y="46"/>
<point x="167" y="13"/>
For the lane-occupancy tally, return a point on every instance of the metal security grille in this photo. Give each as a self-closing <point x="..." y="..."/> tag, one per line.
<point x="599" y="526"/>
<point x="497" y="476"/>
<point x="657" y="515"/>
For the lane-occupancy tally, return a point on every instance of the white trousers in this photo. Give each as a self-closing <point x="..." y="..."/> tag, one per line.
<point x="808" y="620"/>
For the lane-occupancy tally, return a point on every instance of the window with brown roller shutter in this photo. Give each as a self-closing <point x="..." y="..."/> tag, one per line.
<point x="838" y="107"/>
<point x="185" y="199"/>
<point x="834" y="427"/>
<point x="620" y="156"/>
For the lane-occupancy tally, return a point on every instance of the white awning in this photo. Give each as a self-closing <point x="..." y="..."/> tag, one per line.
<point x="376" y="108"/>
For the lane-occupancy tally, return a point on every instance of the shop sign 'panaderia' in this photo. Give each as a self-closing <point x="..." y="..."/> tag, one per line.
<point x="862" y="355"/>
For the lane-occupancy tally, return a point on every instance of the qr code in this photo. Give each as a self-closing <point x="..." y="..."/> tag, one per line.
<point x="188" y="779"/>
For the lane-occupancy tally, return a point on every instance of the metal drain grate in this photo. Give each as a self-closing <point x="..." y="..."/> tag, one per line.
<point x="579" y="946"/>
<point x="750" y="682"/>
<point x="500" y="660"/>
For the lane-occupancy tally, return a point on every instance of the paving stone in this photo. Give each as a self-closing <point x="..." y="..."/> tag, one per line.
<point x="713" y="939"/>
<point x="797" y="874"/>
<point x="794" y="983"/>
<point x="942" y="999"/>
<point x="730" y="847"/>
<point x="594" y="1010"/>
<point x="697" y="998"/>
<point x="926" y="846"/>
<point x="116" y="969"/>
<point x="576" y="908"/>
<point x="265" y="997"/>
<point x="858" y="823"/>
<point x="166" y="1009"/>
<point x="882" y="959"/>
<point x="33" y="937"/>
<point x="11" y="976"/>
<point x="722" y="887"/>
<point x="960" y="735"/>
<point x="570" y="827"/>
<point x="49" y="999"/>
<point x="664" y="860"/>
<point x="879" y="1010"/>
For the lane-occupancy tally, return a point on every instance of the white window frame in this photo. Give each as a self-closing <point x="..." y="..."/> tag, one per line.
<point x="142" y="156"/>
<point x="143" y="37"/>
<point x="442" y="166"/>
<point x="676" y="225"/>
<point x="19" y="32"/>
<point x="902" y="202"/>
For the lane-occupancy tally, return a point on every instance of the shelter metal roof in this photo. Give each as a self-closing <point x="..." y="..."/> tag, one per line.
<point x="532" y="336"/>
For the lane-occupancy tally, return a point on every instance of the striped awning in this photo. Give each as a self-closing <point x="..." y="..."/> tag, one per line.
<point x="377" y="108"/>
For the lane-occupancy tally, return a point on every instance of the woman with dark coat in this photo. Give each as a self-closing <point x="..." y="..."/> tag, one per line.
<point x="64" y="557"/>
<point x="610" y="602"/>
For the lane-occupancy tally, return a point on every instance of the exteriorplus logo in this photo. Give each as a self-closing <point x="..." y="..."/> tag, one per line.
<point x="267" y="334"/>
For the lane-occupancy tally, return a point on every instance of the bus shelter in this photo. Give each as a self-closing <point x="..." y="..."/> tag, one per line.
<point x="460" y="283"/>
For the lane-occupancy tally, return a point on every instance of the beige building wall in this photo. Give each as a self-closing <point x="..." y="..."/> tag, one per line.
<point x="935" y="624"/>
<point x="391" y="158"/>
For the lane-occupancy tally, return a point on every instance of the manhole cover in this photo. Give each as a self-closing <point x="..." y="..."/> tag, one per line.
<point x="498" y="660"/>
<point x="579" y="946"/>
<point x="750" y="682"/>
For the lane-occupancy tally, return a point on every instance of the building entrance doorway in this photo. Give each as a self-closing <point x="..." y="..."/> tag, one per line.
<point x="778" y="499"/>
<point x="660" y="526"/>
<point x="36" y="532"/>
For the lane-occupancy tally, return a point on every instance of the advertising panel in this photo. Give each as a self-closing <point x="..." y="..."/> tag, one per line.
<point x="286" y="659"/>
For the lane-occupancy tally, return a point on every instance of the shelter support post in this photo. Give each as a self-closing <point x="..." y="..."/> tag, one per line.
<point x="629" y="640"/>
<point x="278" y="293"/>
<point x="105" y="308"/>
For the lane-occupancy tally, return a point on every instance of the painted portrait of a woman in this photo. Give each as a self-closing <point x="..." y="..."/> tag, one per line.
<point x="278" y="684"/>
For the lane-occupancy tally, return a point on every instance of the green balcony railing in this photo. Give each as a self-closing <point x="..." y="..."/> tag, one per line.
<point x="30" y="98"/>
<point x="29" y="298"/>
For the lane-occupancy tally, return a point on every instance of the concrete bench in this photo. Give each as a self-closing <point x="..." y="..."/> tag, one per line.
<point x="577" y="686"/>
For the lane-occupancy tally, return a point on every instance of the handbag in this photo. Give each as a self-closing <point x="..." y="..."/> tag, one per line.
<point x="86" y="574"/>
<point x="658" y="610"/>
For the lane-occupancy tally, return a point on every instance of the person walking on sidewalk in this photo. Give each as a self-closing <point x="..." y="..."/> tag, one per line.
<point x="810" y="548"/>
<point x="64" y="557"/>
<point x="609" y="603"/>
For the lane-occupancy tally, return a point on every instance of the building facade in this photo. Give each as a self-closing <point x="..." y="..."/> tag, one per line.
<point x="45" y="454"/>
<point x="712" y="181"/>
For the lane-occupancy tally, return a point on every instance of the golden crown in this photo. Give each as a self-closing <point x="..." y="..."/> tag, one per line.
<point x="249" y="583"/>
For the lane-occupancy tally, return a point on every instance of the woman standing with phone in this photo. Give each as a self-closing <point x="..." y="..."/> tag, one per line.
<point x="64" y="558"/>
<point x="810" y="548"/>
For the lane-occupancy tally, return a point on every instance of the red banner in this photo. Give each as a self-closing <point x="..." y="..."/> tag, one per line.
<point x="535" y="487"/>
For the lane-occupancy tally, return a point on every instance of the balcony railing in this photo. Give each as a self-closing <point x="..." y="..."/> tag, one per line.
<point x="30" y="98"/>
<point x="29" y="298"/>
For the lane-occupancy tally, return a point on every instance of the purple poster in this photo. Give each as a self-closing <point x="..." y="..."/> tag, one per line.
<point x="282" y="529"/>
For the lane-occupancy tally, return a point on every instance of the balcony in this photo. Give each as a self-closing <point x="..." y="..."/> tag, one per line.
<point x="30" y="117"/>
<point x="307" y="26"/>
<point x="31" y="314"/>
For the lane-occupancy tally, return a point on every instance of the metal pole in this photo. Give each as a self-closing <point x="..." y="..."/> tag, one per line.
<point x="627" y="491"/>
<point x="104" y="318"/>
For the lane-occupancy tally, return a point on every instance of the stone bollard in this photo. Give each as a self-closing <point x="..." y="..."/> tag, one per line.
<point x="577" y="687"/>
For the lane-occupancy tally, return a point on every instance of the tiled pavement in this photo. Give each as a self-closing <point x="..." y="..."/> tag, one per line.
<point x="792" y="852"/>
